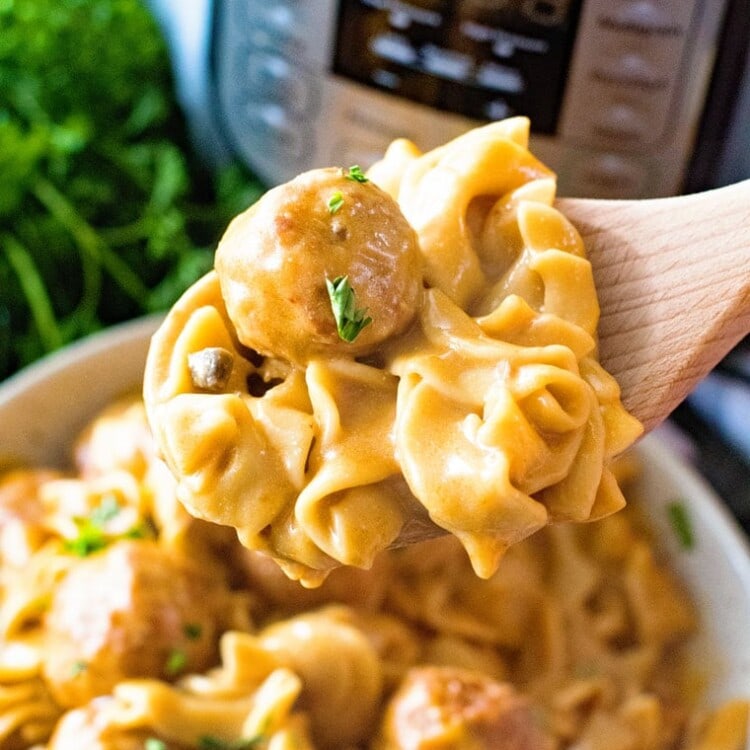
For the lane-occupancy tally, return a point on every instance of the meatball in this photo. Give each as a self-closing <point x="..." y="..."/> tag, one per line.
<point x="447" y="707"/>
<point x="274" y="260"/>
<point x="133" y="610"/>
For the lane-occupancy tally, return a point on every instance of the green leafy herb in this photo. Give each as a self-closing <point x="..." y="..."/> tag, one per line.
<point x="142" y="530"/>
<point x="192" y="631"/>
<point x="107" y="509"/>
<point x="355" y="173"/>
<point x="78" y="667"/>
<point x="682" y="525"/>
<point x="335" y="202"/>
<point x="91" y="535"/>
<point x="98" y="183"/>
<point x="152" y="743"/>
<point x="209" y="742"/>
<point x="350" y="320"/>
<point x="91" y="538"/>
<point x="176" y="662"/>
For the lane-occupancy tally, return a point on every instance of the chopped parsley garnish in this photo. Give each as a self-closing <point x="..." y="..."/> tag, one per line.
<point x="176" y="662"/>
<point x="335" y="202"/>
<point x="142" y="530"/>
<point x="350" y="320"/>
<point x="107" y="509"/>
<point x="209" y="742"/>
<point x="683" y="527"/>
<point x="78" y="666"/>
<point x="136" y="532"/>
<point x="91" y="537"/>
<point x="355" y="173"/>
<point x="152" y="743"/>
<point x="192" y="631"/>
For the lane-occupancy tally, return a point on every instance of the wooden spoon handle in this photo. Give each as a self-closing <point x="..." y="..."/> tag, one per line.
<point x="673" y="278"/>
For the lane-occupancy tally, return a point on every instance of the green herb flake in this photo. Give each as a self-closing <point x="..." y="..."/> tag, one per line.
<point x="152" y="743"/>
<point x="682" y="525"/>
<point x="209" y="742"/>
<point x="176" y="662"/>
<point x="91" y="536"/>
<point x="142" y="530"/>
<point x="350" y="320"/>
<point x="355" y="173"/>
<point x="192" y="631"/>
<point x="90" y="539"/>
<point x="335" y="202"/>
<point x="78" y="667"/>
<point x="107" y="509"/>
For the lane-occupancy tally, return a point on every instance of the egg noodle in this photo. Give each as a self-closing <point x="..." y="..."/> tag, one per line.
<point x="473" y="401"/>
<point x="127" y="624"/>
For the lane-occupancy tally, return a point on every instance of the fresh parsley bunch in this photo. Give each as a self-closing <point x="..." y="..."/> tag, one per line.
<point x="105" y="213"/>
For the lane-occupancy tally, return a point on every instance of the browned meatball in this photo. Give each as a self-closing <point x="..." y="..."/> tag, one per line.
<point x="133" y="610"/>
<point x="447" y="707"/>
<point x="274" y="259"/>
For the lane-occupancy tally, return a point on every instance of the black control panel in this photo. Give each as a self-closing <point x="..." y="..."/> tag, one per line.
<point x="483" y="59"/>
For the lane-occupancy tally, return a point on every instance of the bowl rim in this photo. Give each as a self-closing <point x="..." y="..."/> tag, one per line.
<point x="70" y="355"/>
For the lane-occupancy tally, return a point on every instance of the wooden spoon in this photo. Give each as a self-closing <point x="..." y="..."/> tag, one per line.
<point x="673" y="279"/>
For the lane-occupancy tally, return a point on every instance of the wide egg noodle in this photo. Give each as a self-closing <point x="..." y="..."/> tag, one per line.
<point x="354" y="406"/>
<point x="490" y="415"/>
<point x="436" y="191"/>
<point x="526" y="442"/>
<point x="294" y="470"/>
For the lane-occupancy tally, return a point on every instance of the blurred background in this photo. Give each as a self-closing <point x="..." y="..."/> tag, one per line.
<point x="131" y="131"/>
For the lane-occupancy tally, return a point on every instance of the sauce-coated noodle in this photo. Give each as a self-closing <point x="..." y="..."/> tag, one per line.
<point x="470" y="395"/>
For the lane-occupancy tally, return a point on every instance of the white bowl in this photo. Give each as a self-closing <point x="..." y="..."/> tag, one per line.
<point x="43" y="407"/>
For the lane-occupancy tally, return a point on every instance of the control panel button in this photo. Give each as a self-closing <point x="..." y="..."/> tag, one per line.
<point x="394" y="48"/>
<point x="500" y="78"/>
<point x="273" y="27"/>
<point x="628" y="60"/>
<point x="621" y="121"/>
<point x="498" y="109"/>
<point x="643" y="17"/>
<point x="608" y="175"/>
<point x="631" y="69"/>
<point x="280" y="134"/>
<point x="447" y="63"/>
<point x="274" y="78"/>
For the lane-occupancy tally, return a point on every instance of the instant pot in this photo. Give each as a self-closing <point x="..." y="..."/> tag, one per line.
<point x="627" y="98"/>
